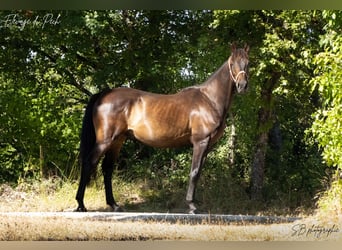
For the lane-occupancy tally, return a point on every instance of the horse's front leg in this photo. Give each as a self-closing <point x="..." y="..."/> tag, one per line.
<point x="198" y="156"/>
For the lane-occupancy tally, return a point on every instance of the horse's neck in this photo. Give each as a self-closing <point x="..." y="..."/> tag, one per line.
<point x="219" y="89"/>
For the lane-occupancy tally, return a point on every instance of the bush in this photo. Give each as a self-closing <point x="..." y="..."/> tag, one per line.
<point x="330" y="203"/>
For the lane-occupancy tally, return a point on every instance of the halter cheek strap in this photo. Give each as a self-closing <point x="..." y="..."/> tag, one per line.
<point x="237" y="75"/>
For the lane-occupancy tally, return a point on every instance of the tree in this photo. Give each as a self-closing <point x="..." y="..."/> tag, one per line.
<point x="55" y="60"/>
<point x="279" y="111"/>
<point x="327" y="126"/>
<point x="52" y="61"/>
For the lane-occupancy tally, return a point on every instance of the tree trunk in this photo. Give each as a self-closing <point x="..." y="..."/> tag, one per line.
<point x="258" y="167"/>
<point x="41" y="161"/>
<point x="265" y="122"/>
<point x="231" y="142"/>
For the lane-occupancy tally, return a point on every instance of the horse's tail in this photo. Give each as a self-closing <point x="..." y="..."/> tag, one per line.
<point x="88" y="136"/>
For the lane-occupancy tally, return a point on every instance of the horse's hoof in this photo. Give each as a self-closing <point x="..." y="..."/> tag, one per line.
<point x="81" y="209"/>
<point x="192" y="208"/>
<point x="193" y="211"/>
<point x="116" y="208"/>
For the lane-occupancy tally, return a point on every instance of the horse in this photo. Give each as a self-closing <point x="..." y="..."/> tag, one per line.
<point x="194" y="116"/>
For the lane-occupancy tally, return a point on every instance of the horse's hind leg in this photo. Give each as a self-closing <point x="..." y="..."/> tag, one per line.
<point x="85" y="177"/>
<point x="107" y="170"/>
<point x="87" y="169"/>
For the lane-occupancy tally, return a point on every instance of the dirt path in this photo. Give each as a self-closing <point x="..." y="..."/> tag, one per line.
<point x="158" y="217"/>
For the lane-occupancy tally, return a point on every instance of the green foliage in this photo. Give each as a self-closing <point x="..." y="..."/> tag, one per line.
<point x="327" y="127"/>
<point x="48" y="73"/>
<point x="57" y="66"/>
<point x="10" y="159"/>
<point x="327" y="124"/>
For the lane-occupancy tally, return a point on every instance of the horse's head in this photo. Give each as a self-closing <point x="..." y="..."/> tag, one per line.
<point x="238" y="67"/>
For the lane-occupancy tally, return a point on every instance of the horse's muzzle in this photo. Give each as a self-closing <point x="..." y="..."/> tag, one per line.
<point x="242" y="86"/>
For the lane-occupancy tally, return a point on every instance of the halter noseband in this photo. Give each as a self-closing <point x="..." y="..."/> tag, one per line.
<point x="237" y="75"/>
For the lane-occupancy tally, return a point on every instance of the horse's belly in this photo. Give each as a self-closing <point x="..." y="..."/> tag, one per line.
<point x="159" y="123"/>
<point x="157" y="137"/>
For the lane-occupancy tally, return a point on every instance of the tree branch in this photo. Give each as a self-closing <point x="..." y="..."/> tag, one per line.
<point x="79" y="85"/>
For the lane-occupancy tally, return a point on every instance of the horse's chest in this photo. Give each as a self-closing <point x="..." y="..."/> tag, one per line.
<point x="218" y="133"/>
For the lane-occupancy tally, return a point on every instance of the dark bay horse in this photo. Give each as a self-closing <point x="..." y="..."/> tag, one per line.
<point x="194" y="116"/>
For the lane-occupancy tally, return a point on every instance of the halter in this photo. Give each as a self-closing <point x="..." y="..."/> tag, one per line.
<point x="237" y="75"/>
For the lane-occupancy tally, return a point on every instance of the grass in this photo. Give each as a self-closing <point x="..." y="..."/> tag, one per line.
<point x="17" y="228"/>
<point x="331" y="200"/>
<point x="56" y="195"/>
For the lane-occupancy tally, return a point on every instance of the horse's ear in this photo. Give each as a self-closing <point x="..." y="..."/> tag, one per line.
<point x="246" y="48"/>
<point x="233" y="47"/>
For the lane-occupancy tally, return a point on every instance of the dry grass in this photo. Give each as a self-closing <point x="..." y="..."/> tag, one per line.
<point x="52" y="196"/>
<point x="17" y="228"/>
